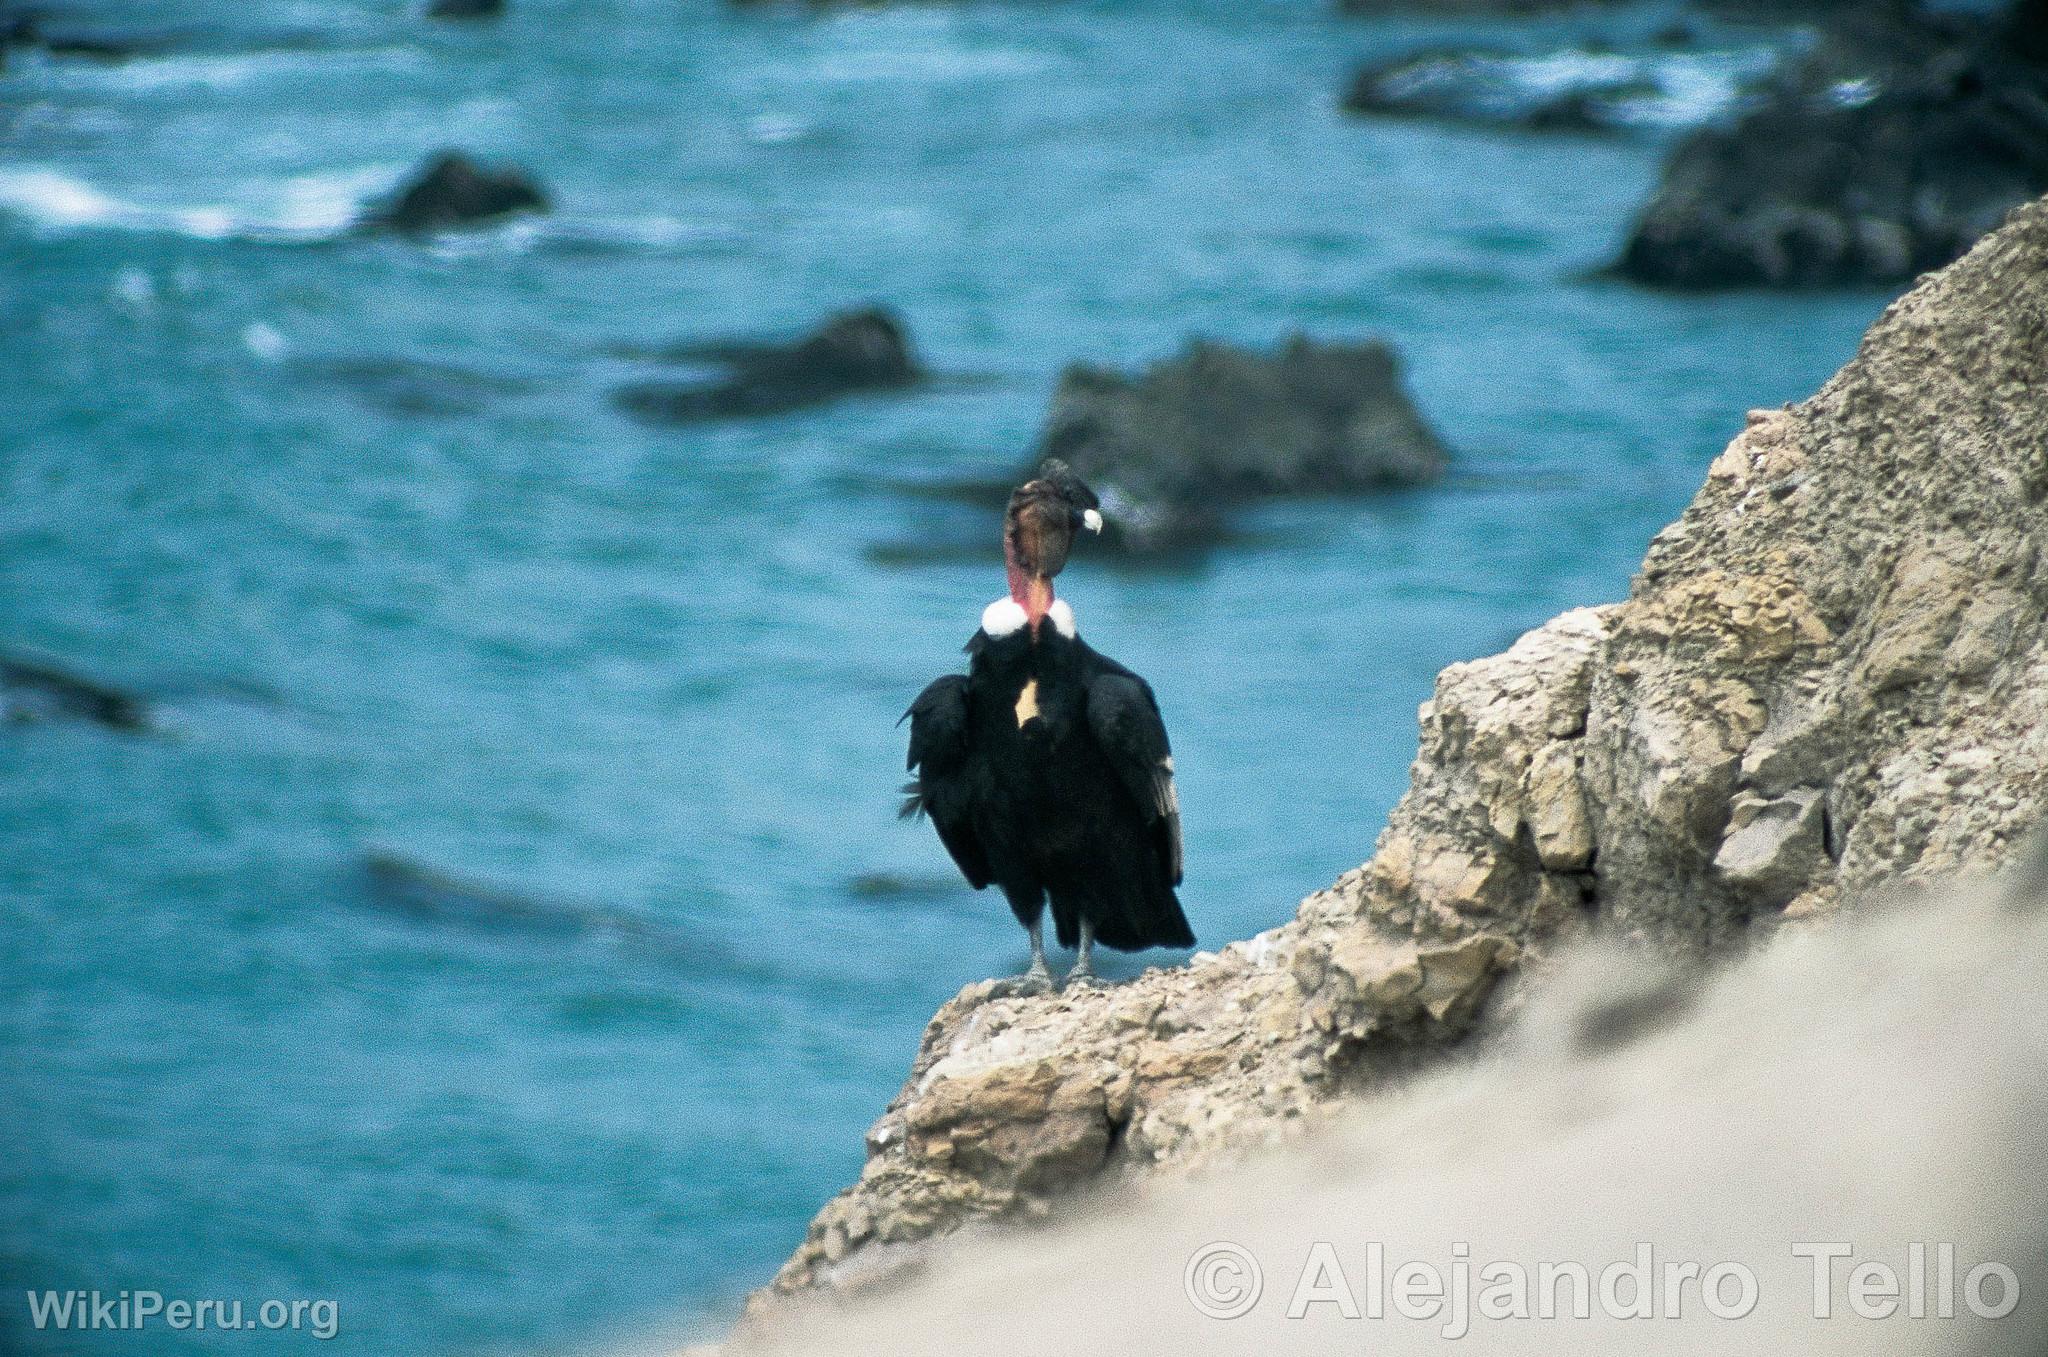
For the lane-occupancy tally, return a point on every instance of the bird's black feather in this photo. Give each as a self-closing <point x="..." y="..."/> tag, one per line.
<point x="1124" y="717"/>
<point x="1046" y="771"/>
<point x="938" y="752"/>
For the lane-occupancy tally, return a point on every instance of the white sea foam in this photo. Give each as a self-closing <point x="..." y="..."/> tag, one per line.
<point x="914" y="46"/>
<point x="313" y="207"/>
<point x="208" y="70"/>
<point x="53" y="198"/>
<point x="648" y="231"/>
<point x="264" y="341"/>
<point x="303" y="207"/>
<point x="1696" y="89"/>
<point x="134" y="288"/>
<point x="1681" y="89"/>
<point x="774" y="129"/>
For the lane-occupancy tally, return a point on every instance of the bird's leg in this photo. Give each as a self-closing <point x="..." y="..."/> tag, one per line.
<point x="1083" y="973"/>
<point x="1038" y="978"/>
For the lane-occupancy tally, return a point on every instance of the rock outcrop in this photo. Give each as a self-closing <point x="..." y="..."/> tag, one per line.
<point x="853" y="352"/>
<point x="1886" y="1081"/>
<point x="451" y="192"/>
<point x="1219" y="424"/>
<point x="1830" y="674"/>
<point x="1897" y="142"/>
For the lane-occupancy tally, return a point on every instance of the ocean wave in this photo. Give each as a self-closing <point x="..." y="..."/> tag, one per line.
<point x="651" y="232"/>
<point x="1597" y="88"/>
<point x="304" y="207"/>
<point x="913" y="46"/>
<point x="154" y="73"/>
<point x="570" y="233"/>
<point x="324" y="207"/>
<point x="928" y="64"/>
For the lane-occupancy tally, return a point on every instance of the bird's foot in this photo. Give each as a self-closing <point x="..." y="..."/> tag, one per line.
<point x="1036" y="981"/>
<point x="1085" y="978"/>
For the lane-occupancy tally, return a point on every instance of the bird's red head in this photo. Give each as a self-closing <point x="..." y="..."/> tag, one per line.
<point x="1038" y="531"/>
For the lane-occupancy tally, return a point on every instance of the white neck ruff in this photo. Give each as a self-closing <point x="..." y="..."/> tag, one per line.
<point x="1006" y="615"/>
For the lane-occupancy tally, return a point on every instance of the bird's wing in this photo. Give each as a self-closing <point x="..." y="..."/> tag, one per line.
<point x="939" y="750"/>
<point x="1127" y="727"/>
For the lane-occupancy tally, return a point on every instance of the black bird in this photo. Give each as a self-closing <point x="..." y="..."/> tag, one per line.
<point x="1045" y="768"/>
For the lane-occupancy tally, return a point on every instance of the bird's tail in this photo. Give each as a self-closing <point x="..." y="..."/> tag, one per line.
<point x="913" y="801"/>
<point x="1129" y="915"/>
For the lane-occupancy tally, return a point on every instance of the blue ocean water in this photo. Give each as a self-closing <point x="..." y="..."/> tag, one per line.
<point x="650" y="676"/>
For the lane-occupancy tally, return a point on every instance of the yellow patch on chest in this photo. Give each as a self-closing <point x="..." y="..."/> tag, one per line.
<point x="1027" y="703"/>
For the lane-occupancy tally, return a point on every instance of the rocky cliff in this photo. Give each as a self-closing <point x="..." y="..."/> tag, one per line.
<point x="1881" y="1082"/>
<point x="1828" y="674"/>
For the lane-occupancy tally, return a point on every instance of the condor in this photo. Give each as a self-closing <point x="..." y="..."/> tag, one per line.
<point x="1045" y="768"/>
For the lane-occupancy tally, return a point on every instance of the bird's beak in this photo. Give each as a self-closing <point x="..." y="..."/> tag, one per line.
<point x="1091" y="519"/>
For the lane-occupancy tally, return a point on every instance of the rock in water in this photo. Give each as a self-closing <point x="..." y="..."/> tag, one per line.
<point x="465" y="9"/>
<point x="29" y="28"/>
<point x="1504" y="89"/>
<point x="1825" y="680"/>
<point x="1219" y="423"/>
<point x="451" y="192"/>
<point x="865" y="350"/>
<point x="1901" y="139"/>
<point x="410" y="386"/>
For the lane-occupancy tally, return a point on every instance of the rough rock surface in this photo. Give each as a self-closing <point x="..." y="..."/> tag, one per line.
<point x="1829" y="674"/>
<point x="1219" y="423"/>
<point x="864" y="350"/>
<point x="452" y="192"/>
<point x="1896" y="143"/>
<point x="1886" y="1079"/>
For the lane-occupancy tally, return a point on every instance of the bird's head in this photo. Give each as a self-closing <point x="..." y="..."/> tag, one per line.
<point x="1038" y="529"/>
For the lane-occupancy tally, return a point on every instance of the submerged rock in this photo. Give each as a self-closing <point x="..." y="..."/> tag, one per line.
<point x="1217" y="424"/>
<point x="465" y="9"/>
<point x="418" y="891"/>
<point x="32" y="691"/>
<point x="411" y="386"/>
<point x="451" y="192"/>
<point x="855" y="351"/>
<point x="1900" y="140"/>
<point x="56" y="35"/>
<point x="1828" y="677"/>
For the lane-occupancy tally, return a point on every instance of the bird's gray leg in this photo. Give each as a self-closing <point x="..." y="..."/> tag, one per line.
<point x="1083" y="972"/>
<point x="1038" y="978"/>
